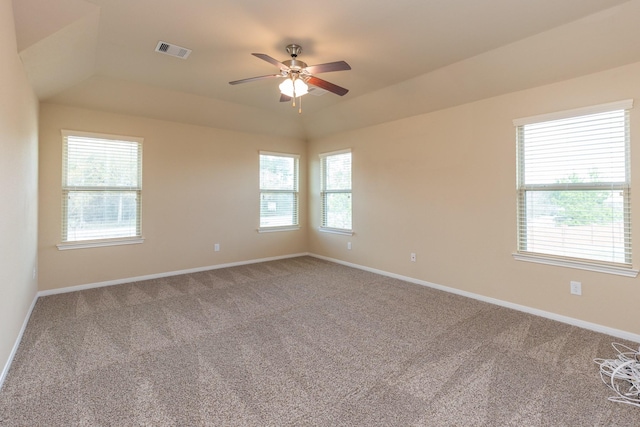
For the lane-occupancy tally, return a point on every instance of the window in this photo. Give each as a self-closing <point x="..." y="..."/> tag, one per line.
<point x="574" y="185"/>
<point x="278" y="191"/>
<point x="336" y="191"/>
<point x="101" y="188"/>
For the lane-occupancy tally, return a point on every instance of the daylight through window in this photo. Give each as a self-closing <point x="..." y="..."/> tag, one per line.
<point x="574" y="184"/>
<point x="278" y="190"/>
<point x="336" y="190"/>
<point x="101" y="188"/>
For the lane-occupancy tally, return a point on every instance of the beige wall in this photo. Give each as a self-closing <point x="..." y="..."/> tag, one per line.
<point x="200" y="187"/>
<point x="18" y="188"/>
<point x="442" y="185"/>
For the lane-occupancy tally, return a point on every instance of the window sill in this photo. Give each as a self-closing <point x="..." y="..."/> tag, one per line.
<point x="561" y="262"/>
<point x="336" y="231"/>
<point x="276" y="229"/>
<point x="98" y="243"/>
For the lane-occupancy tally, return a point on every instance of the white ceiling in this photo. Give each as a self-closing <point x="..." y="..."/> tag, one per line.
<point x="408" y="56"/>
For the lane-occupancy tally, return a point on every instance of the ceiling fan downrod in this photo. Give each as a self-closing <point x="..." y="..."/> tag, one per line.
<point x="294" y="50"/>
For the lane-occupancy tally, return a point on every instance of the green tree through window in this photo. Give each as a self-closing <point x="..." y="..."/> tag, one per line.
<point x="585" y="207"/>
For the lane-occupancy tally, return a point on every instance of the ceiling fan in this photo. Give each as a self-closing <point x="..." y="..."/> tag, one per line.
<point x="298" y="75"/>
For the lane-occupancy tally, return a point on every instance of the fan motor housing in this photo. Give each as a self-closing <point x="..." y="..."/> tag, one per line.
<point x="294" y="64"/>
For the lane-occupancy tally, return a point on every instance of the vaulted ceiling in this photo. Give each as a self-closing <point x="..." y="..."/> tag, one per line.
<point x="408" y="57"/>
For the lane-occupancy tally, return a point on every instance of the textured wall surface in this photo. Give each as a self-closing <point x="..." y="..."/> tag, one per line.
<point x="443" y="185"/>
<point x="18" y="188"/>
<point x="200" y="186"/>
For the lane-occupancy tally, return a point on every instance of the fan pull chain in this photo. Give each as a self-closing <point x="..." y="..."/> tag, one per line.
<point x="293" y="98"/>
<point x="300" y="107"/>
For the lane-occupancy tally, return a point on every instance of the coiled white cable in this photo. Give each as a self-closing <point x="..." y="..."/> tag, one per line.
<point x="622" y="375"/>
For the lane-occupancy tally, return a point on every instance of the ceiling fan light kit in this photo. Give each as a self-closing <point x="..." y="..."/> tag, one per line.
<point x="293" y="88"/>
<point x="298" y="75"/>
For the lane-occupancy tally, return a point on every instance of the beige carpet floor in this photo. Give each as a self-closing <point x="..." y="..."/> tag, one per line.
<point x="300" y="342"/>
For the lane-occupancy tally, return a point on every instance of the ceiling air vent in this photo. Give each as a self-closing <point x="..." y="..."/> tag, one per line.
<point x="173" y="50"/>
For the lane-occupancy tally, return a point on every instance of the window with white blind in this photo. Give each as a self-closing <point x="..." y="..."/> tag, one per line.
<point x="101" y="189"/>
<point x="335" y="170"/>
<point x="574" y="185"/>
<point x="278" y="191"/>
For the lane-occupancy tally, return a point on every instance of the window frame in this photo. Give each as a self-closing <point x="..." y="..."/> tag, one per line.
<point x="66" y="190"/>
<point x="324" y="192"/>
<point x="295" y="192"/>
<point x="521" y="254"/>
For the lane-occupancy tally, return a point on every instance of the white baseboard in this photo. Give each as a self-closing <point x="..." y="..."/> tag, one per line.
<point x="5" y="369"/>
<point x="161" y="275"/>
<point x="541" y="313"/>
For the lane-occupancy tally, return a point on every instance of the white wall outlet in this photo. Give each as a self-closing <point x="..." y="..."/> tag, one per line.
<point x="349" y="245"/>
<point x="216" y="247"/>
<point x="34" y="273"/>
<point x="576" y="288"/>
<point x="413" y="257"/>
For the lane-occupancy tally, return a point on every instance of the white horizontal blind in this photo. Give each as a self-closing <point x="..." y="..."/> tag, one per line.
<point x="278" y="190"/>
<point x="336" y="190"/>
<point x="574" y="187"/>
<point x="101" y="187"/>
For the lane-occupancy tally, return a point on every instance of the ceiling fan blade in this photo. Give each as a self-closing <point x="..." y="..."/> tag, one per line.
<point x="271" y="61"/>
<point x="284" y="98"/>
<point x="330" y="66"/>
<point x="252" y="79"/>
<point x="323" y="84"/>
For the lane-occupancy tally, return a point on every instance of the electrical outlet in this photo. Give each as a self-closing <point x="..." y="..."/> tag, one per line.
<point x="216" y="247"/>
<point x="413" y="257"/>
<point x="349" y="245"/>
<point x="576" y="288"/>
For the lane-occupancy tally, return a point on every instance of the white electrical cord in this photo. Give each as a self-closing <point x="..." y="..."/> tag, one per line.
<point x="622" y="375"/>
